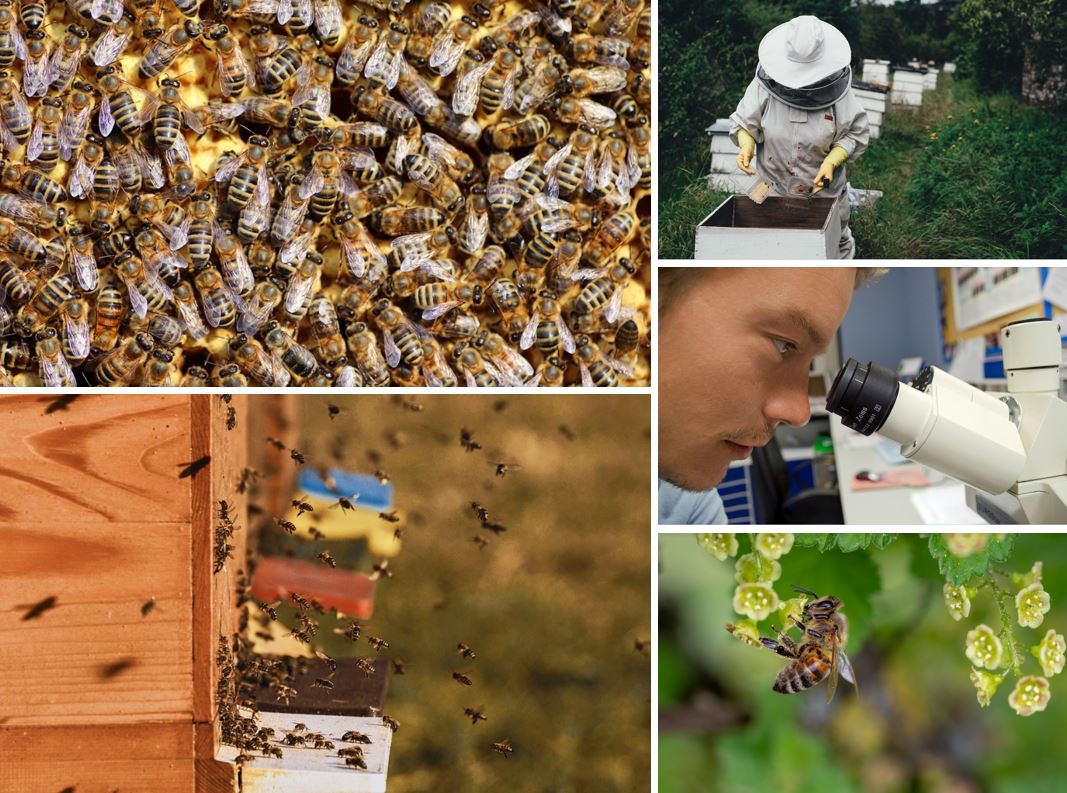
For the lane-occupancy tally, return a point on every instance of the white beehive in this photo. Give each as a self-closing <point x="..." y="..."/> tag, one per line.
<point x="876" y="71"/>
<point x="725" y="175"/>
<point x="931" y="79"/>
<point x="779" y="228"/>
<point x="874" y="99"/>
<point x="948" y="68"/>
<point x="908" y="86"/>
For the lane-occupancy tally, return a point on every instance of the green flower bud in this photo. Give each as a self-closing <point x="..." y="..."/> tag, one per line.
<point x="986" y="683"/>
<point x="789" y="610"/>
<point x="984" y="649"/>
<point x="1033" y="604"/>
<point x="720" y="546"/>
<point x="745" y="630"/>
<point x="1031" y="695"/>
<point x="774" y="546"/>
<point x="755" y="601"/>
<point x="966" y="544"/>
<point x="959" y="604"/>
<point x="1050" y="653"/>
<point x="1023" y="580"/>
<point x="753" y="568"/>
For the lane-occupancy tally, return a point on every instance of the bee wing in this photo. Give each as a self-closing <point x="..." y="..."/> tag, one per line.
<point x="57" y="373"/>
<point x="108" y="47"/>
<point x="178" y="235"/>
<point x="108" y="10"/>
<point x="10" y="142"/>
<point x="522" y="367"/>
<point x="81" y="179"/>
<point x="327" y="18"/>
<point x="439" y="310"/>
<point x="105" y="120"/>
<point x="19" y="42"/>
<point x="566" y="336"/>
<point x="151" y="168"/>
<point x="611" y="313"/>
<point x="137" y="301"/>
<point x="285" y="11"/>
<point x="35" y="145"/>
<point x="588" y="273"/>
<point x="354" y="257"/>
<point x="35" y="77"/>
<point x="835" y="670"/>
<point x="529" y="333"/>
<point x="507" y="99"/>
<point x="192" y="120"/>
<point x="392" y="352"/>
<point x="295" y="248"/>
<point x="227" y="170"/>
<point x="77" y="335"/>
<point x="72" y="130"/>
<point x="59" y="67"/>
<point x="371" y="249"/>
<point x="616" y="59"/>
<point x="595" y="114"/>
<point x="847" y="671"/>
<point x="602" y="173"/>
<point x="299" y="288"/>
<point x="312" y="184"/>
<point x="518" y="168"/>
<point x="465" y="96"/>
<point x="552" y="164"/>
<point x="477" y="228"/>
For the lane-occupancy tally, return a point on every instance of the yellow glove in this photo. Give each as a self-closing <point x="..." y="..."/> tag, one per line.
<point x="748" y="150"/>
<point x="835" y="158"/>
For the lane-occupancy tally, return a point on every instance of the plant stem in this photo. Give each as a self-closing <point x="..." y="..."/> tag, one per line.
<point x="1003" y="598"/>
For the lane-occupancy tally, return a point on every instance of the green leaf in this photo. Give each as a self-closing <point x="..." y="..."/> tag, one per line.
<point x="958" y="570"/>
<point x="844" y="542"/>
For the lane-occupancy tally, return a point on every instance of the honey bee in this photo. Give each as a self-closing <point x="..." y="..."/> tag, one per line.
<point x="596" y="368"/>
<point x="492" y="83"/>
<point x="12" y="44"/>
<point x="550" y="373"/>
<point x="215" y="297"/>
<point x="377" y="643"/>
<point x="429" y="25"/>
<point x="82" y="177"/>
<point x="603" y="50"/>
<point x="247" y="173"/>
<point x="400" y="341"/>
<point x="821" y="654"/>
<point x="117" y="106"/>
<point x="35" y="65"/>
<point x="54" y="367"/>
<point x="397" y="221"/>
<point x="605" y="289"/>
<point x="462" y="679"/>
<point x="415" y="91"/>
<point x="43" y="145"/>
<point x="163" y="51"/>
<point x="502" y="747"/>
<point x="367" y="355"/>
<point x="639" y="154"/>
<point x="450" y="45"/>
<point x="15" y="118"/>
<point x="167" y="112"/>
<point x="327" y="559"/>
<point x="358" y="48"/>
<point x="121" y="365"/>
<point x="395" y="115"/>
<point x="75" y="329"/>
<point x="526" y="132"/>
<point x="477" y="372"/>
<point x="428" y="177"/>
<point x="313" y="96"/>
<point x="383" y="65"/>
<point x="620" y="16"/>
<point x="475" y="714"/>
<point x="513" y="369"/>
<point x="63" y="65"/>
<point x="232" y="69"/>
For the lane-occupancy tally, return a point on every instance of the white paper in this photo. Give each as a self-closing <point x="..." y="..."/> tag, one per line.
<point x="968" y="362"/>
<point x="980" y="294"/>
<point x="1055" y="290"/>
<point x="944" y="504"/>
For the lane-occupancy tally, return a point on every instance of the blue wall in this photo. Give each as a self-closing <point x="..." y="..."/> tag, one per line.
<point x="895" y="317"/>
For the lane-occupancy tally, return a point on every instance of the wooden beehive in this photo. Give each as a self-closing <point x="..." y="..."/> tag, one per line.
<point x="97" y="695"/>
<point x="779" y="228"/>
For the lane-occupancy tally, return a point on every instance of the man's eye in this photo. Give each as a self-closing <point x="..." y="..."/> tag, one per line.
<point x="784" y="347"/>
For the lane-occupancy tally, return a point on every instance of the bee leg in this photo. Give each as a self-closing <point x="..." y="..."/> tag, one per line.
<point x="786" y="648"/>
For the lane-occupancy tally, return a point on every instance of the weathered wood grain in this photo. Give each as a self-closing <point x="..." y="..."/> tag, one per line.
<point x="100" y="459"/>
<point x="142" y="758"/>
<point x="101" y="577"/>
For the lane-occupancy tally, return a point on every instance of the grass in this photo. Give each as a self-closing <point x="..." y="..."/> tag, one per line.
<point x="985" y="198"/>
<point x="551" y="607"/>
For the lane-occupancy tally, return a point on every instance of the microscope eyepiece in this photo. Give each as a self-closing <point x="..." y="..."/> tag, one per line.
<point x="863" y="396"/>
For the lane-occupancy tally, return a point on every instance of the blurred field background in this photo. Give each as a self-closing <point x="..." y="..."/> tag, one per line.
<point x="975" y="173"/>
<point x="916" y="726"/>
<point x="551" y="607"/>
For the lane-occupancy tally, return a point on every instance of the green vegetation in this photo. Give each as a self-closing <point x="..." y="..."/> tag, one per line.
<point x="973" y="173"/>
<point x="960" y="685"/>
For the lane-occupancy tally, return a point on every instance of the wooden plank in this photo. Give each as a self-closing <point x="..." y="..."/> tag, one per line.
<point x="101" y="577"/>
<point x="98" y="759"/>
<point x="275" y="416"/>
<point x="100" y="459"/>
<point x="212" y="776"/>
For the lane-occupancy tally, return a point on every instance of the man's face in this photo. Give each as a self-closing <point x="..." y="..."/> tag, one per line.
<point x="735" y="347"/>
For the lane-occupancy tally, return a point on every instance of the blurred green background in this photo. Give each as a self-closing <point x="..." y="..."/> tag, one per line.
<point x="551" y="607"/>
<point x="916" y="726"/>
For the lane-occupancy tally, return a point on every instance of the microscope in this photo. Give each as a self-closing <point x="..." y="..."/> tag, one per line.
<point x="1010" y="449"/>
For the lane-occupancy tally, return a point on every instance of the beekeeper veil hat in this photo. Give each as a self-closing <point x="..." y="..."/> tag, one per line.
<point x="806" y="62"/>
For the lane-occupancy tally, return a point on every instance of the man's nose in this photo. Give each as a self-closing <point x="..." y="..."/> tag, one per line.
<point x="789" y="406"/>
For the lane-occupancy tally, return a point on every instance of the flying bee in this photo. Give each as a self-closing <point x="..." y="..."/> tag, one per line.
<point x="450" y="45"/>
<point x="322" y="682"/>
<point x="346" y="503"/>
<point x="377" y="643"/>
<point x="163" y="51"/>
<point x="605" y="289"/>
<point x="502" y="747"/>
<point x="358" y="47"/>
<point x="327" y="558"/>
<point x="232" y="69"/>
<point x="15" y="118"/>
<point x="54" y="367"/>
<point x="462" y="679"/>
<point x="821" y="655"/>
<point x="465" y="651"/>
<point x="63" y="65"/>
<point x="35" y="70"/>
<point x="475" y="714"/>
<point x="90" y="154"/>
<point x="383" y="65"/>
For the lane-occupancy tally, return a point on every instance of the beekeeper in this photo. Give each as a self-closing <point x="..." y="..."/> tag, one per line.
<point x="801" y="111"/>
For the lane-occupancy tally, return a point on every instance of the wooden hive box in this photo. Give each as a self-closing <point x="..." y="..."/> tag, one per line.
<point x="96" y="694"/>
<point x="779" y="228"/>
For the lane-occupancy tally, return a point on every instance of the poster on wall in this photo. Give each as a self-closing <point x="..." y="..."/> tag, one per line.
<point x="980" y="294"/>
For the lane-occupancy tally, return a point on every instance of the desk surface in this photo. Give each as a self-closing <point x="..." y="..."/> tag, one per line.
<point x="888" y="506"/>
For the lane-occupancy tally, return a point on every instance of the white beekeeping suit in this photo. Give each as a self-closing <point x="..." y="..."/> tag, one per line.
<point x="801" y="111"/>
